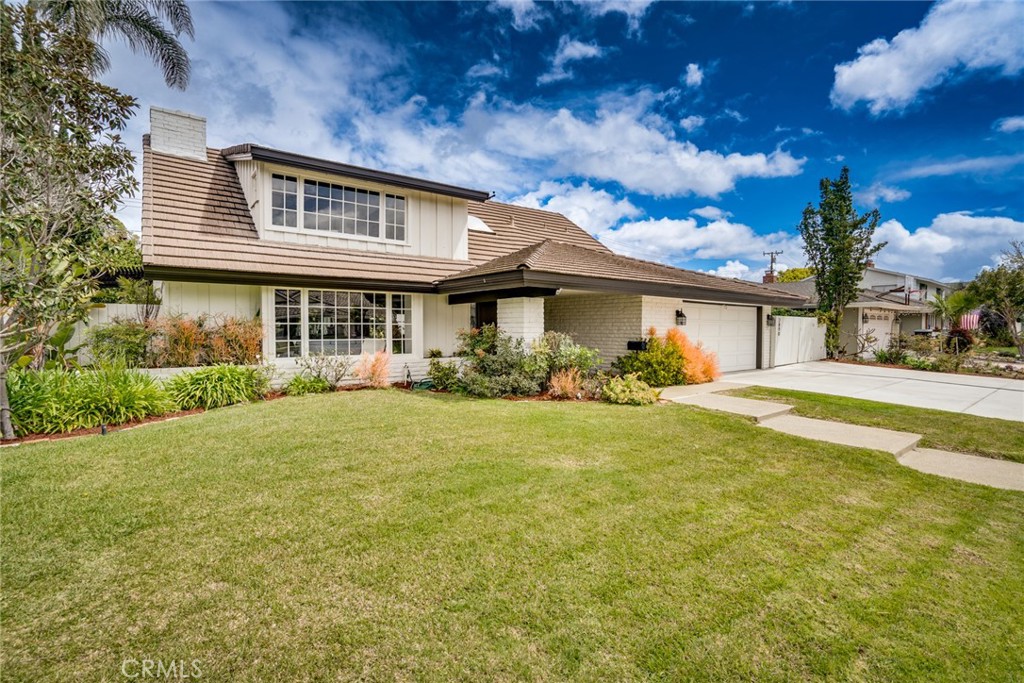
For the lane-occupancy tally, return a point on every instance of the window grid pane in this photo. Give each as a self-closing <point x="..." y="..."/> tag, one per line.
<point x="339" y="209"/>
<point x="283" y="200"/>
<point x="346" y="323"/>
<point x="287" y="323"/>
<point x="401" y="323"/>
<point x="394" y="217"/>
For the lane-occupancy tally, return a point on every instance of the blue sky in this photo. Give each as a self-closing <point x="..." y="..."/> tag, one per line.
<point x="689" y="133"/>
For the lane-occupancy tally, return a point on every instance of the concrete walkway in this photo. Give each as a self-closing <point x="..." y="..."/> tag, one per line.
<point x="903" y="445"/>
<point x="970" y="394"/>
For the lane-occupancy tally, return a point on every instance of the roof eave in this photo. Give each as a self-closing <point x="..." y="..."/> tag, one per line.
<point x="258" y="153"/>
<point x="212" y="276"/>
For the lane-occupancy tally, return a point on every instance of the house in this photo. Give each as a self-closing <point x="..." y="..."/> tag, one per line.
<point x="877" y="313"/>
<point x="339" y="259"/>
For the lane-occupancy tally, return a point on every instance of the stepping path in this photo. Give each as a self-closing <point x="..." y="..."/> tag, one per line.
<point x="972" y="468"/>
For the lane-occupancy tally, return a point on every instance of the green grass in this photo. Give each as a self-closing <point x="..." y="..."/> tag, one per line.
<point x="384" y="535"/>
<point x="996" y="350"/>
<point x="993" y="438"/>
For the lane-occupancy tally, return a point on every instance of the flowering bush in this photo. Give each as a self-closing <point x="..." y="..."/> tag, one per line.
<point x="699" y="365"/>
<point x="374" y="370"/>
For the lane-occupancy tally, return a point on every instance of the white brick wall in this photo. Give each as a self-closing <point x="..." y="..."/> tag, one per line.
<point x="178" y="133"/>
<point x="602" y="321"/>
<point x="522" y="317"/>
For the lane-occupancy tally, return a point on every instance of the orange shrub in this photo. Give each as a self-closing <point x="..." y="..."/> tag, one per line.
<point x="700" y="365"/>
<point x="566" y="383"/>
<point x="375" y="370"/>
<point x="236" y="340"/>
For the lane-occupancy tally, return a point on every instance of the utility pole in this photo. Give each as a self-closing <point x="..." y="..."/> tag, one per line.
<point x="769" y="275"/>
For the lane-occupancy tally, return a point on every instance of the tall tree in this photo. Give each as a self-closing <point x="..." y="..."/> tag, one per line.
<point x="1002" y="290"/>
<point x="63" y="170"/>
<point x="140" y="23"/>
<point x="837" y="241"/>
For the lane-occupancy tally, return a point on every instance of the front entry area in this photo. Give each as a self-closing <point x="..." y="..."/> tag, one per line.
<point x="728" y="330"/>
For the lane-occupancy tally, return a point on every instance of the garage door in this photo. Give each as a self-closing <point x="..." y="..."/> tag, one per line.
<point x="729" y="331"/>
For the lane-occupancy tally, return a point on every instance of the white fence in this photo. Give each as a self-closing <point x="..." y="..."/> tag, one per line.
<point x="798" y="340"/>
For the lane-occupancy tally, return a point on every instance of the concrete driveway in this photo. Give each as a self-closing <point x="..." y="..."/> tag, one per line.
<point x="970" y="394"/>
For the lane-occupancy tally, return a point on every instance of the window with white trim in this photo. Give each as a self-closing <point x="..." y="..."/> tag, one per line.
<point x="401" y="323"/>
<point x="287" y="323"/>
<point x="341" y="323"/>
<point x="284" y="200"/>
<point x="337" y="209"/>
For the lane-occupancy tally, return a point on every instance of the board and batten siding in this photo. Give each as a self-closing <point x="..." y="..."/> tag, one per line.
<point x="441" y="323"/>
<point x="436" y="225"/>
<point x="605" y="322"/>
<point x="197" y="298"/>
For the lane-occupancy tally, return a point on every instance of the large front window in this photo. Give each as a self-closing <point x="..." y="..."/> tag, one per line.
<point x="337" y="209"/>
<point x="340" y="323"/>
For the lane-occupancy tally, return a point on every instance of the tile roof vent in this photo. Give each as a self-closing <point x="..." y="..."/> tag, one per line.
<point x="178" y="133"/>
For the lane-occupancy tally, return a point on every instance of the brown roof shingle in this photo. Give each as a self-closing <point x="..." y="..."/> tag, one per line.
<point x="195" y="218"/>
<point x="575" y="261"/>
<point x="516" y="227"/>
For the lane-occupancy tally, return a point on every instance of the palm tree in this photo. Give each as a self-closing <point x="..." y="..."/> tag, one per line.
<point x="140" y="23"/>
<point x="951" y="307"/>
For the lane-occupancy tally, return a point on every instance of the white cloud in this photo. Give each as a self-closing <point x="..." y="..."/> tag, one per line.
<point x="694" y="75"/>
<point x="568" y="51"/>
<point x="484" y="69"/>
<point x="737" y="270"/>
<point x="956" y="37"/>
<point x="593" y="210"/>
<point x="735" y="115"/>
<point x="526" y="14"/>
<point x="877" y="193"/>
<point x="977" y="165"/>
<point x="712" y="213"/>
<point x="634" y="10"/>
<point x="375" y="118"/>
<point x="1010" y="124"/>
<point x="692" y="123"/>
<point x="954" y="245"/>
<point x="679" y="240"/>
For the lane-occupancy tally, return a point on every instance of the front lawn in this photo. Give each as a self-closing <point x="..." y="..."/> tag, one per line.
<point x="387" y="535"/>
<point x="993" y="438"/>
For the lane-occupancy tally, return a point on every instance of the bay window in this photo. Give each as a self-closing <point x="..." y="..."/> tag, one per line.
<point x="340" y="323"/>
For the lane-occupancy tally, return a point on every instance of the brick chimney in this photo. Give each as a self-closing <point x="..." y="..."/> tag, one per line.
<point x="178" y="133"/>
<point x="768" y="277"/>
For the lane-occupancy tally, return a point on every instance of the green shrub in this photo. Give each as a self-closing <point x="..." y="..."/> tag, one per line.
<point x="499" y="365"/>
<point x="920" y="363"/>
<point x="218" y="385"/>
<point x="329" y="370"/>
<point x="123" y="340"/>
<point x="958" y="341"/>
<point x="628" y="390"/>
<point x="445" y="376"/>
<point x="659" y="365"/>
<point x="58" y="400"/>
<point x="301" y="385"/>
<point x="560" y="352"/>
<point x="891" y="356"/>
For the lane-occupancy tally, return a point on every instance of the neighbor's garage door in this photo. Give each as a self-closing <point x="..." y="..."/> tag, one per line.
<point x="730" y="331"/>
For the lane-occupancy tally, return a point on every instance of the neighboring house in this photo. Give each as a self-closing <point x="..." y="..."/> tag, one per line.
<point x="880" y="314"/>
<point x="912" y="290"/>
<point x="339" y="259"/>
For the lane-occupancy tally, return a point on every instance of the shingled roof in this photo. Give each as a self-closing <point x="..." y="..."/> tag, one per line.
<point x="196" y="223"/>
<point x="550" y="263"/>
<point x="865" y="297"/>
<point x="514" y="227"/>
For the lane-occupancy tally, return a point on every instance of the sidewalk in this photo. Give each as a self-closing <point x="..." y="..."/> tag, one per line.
<point x="903" y="445"/>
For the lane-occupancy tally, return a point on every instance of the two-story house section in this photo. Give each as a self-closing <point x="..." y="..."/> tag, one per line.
<point x="338" y="259"/>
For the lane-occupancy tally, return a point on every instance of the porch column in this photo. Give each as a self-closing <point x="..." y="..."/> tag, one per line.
<point x="522" y="317"/>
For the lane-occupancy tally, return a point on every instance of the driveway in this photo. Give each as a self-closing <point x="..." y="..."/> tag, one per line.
<point x="970" y="394"/>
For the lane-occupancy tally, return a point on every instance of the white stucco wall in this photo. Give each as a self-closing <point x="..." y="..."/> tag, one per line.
<point x="602" y="321"/>
<point x="522" y="317"/>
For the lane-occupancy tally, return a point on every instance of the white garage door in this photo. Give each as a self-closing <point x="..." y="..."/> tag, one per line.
<point x="730" y="331"/>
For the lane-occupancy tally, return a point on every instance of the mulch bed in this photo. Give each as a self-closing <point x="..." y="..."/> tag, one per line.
<point x="31" y="438"/>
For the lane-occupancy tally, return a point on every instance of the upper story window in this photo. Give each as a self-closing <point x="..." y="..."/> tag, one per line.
<point x="284" y="200"/>
<point x="337" y="209"/>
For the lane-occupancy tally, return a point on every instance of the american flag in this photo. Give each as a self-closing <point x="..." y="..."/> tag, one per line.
<point x="969" y="321"/>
